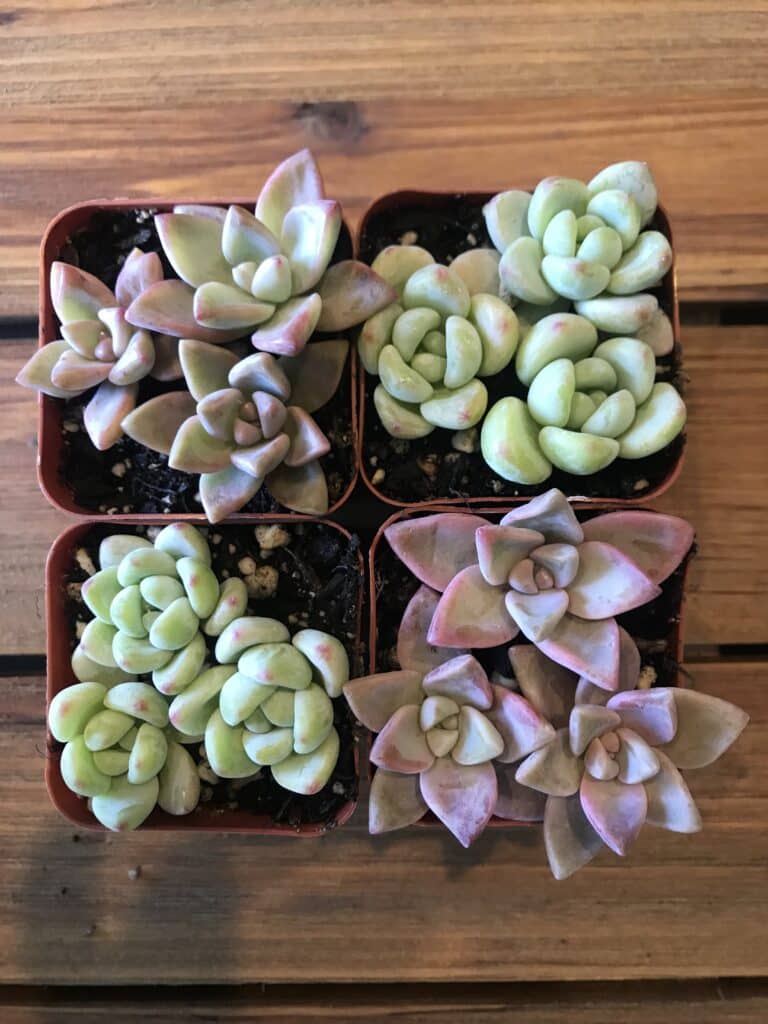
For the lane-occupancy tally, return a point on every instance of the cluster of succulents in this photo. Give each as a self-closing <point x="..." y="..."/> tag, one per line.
<point x="258" y="698"/>
<point x="447" y="328"/>
<point x="268" y="276"/>
<point x="577" y="736"/>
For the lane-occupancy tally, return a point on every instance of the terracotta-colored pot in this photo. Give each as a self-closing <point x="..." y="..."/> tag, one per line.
<point x="674" y="639"/>
<point x="387" y="206"/>
<point x="59" y="675"/>
<point x="51" y="410"/>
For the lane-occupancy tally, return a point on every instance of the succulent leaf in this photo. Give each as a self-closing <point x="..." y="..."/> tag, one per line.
<point x="569" y="839"/>
<point x="138" y="272"/>
<point x="224" y="307"/>
<point x="435" y="548"/>
<point x="308" y="237"/>
<point x="375" y="698"/>
<point x="471" y="613"/>
<point x="168" y="308"/>
<point x="306" y="774"/>
<point x="350" y="292"/>
<point x="226" y="491"/>
<point x="461" y="796"/>
<point x="706" y="727"/>
<point x="76" y="294"/>
<point x="193" y="246"/>
<point x="394" y="801"/>
<point x="296" y="180"/>
<point x="303" y="489"/>
<point x="291" y="326"/>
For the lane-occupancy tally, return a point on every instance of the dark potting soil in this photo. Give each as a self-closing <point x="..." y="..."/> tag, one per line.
<point x="129" y="477"/>
<point x="429" y="468"/>
<point x="318" y="586"/>
<point x="653" y="626"/>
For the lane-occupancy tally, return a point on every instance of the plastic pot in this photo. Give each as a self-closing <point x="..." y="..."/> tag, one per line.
<point x="51" y="410"/>
<point x="59" y="566"/>
<point x="390" y="213"/>
<point x="674" y="637"/>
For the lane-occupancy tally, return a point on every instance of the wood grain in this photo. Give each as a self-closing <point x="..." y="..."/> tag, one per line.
<point x="720" y="491"/>
<point x="733" y="1002"/>
<point x="410" y="907"/>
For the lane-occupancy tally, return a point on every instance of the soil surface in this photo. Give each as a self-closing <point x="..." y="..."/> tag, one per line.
<point x="430" y="468"/>
<point x="129" y="477"/>
<point x="318" y="585"/>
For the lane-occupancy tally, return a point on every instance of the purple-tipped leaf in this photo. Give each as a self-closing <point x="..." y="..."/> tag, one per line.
<point x="136" y="362"/>
<point x="471" y="613"/>
<point x="561" y="560"/>
<point x="225" y="307"/>
<point x="88" y="337"/>
<point x="288" y="331"/>
<point x="351" y="292"/>
<point x="520" y="725"/>
<point x="73" y="372"/>
<point x="629" y="671"/>
<point x="193" y="247"/>
<point x="590" y="649"/>
<point x="463" y="797"/>
<point x="550" y="514"/>
<point x="262" y="458"/>
<point x="401" y="746"/>
<point x="315" y="373"/>
<point x="569" y="839"/>
<point x="706" y="727"/>
<point x="549" y="687"/>
<point x="303" y="489"/>
<point x="308" y="238"/>
<point x="207" y="368"/>
<point x="307" y="441"/>
<point x="670" y="804"/>
<point x="271" y="413"/>
<point x="435" y="548"/>
<point x="195" y="451"/>
<point x="76" y="294"/>
<point x="537" y="615"/>
<point x="587" y="722"/>
<point x="245" y="239"/>
<point x="140" y="270"/>
<point x="463" y="679"/>
<point x="501" y="548"/>
<point x="168" y="308"/>
<point x="656" y="543"/>
<point x="167" y="363"/>
<point x="394" y="801"/>
<point x="103" y="416"/>
<point x="218" y="412"/>
<point x="413" y="650"/>
<point x="615" y="811"/>
<point x="637" y="761"/>
<point x="515" y="802"/>
<point x="156" y="423"/>
<point x="552" y="769"/>
<point x="226" y="492"/>
<point x="374" y="699"/>
<point x="260" y="372"/>
<point x="608" y="583"/>
<point x="36" y="372"/>
<point x="650" y="713"/>
<point x="294" y="181"/>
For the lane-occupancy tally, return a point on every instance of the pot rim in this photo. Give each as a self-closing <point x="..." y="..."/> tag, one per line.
<point x="51" y="410"/>
<point x="436" y="198"/>
<point x="73" y="807"/>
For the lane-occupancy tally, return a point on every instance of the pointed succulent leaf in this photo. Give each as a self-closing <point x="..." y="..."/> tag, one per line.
<point x="218" y="412"/>
<point x="193" y="246"/>
<point x="270" y="412"/>
<point x="168" y="308"/>
<point x="290" y="328"/>
<point x="462" y="679"/>
<point x="136" y="361"/>
<point x="521" y="579"/>
<point x="670" y="804"/>
<point x="85" y="337"/>
<point x="307" y="441"/>
<point x="549" y="513"/>
<point x="226" y="492"/>
<point x="303" y="489"/>
<point x="138" y="272"/>
<point x="190" y="710"/>
<point x="549" y="687"/>
<point x="308" y="237"/>
<point x="103" y="416"/>
<point x="608" y="583"/>
<point x="374" y="699"/>
<point x="245" y="239"/>
<point x="351" y="292"/>
<point x="591" y="649"/>
<point x="478" y="741"/>
<point x="183" y="668"/>
<point x="207" y="368"/>
<point x="552" y="769"/>
<point x="401" y="746"/>
<point x="396" y="263"/>
<point x="636" y="760"/>
<point x="308" y="773"/>
<point x="500" y="548"/>
<point x="79" y="770"/>
<point x="156" y="423"/>
<point x="328" y="658"/>
<point x="76" y="294"/>
<point x="650" y="713"/>
<point x="516" y="802"/>
<point x="471" y="613"/>
<point x="435" y="548"/>
<point x="599" y="763"/>
<point x="569" y="839"/>
<point x="294" y="181"/>
<point x="461" y="796"/>
<point x="272" y="280"/>
<point x="179" y="782"/>
<point x="74" y="373"/>
<point x="222" y="306"/>
<point x="194" y="450"/>
<point x="706" y="727"/>
<point x="72" y="708"/>
<point x="520" y="726"/>
<point x="148" y="754"/>
<point x="561" y="560"/>
<point x="315" y="373"/>
<point x="394" y="801"/>
<point x="36" y="372"/>
<point x="656" y="543"/>
<point x="231" y="605"/>
<point x="167" y="366"/>
<point x="615" y="810"/>
<point x="260" y="459"/>
<point x="587" y="722"/>
<point x="260" y="372"/>
<point x="413" y="650"/>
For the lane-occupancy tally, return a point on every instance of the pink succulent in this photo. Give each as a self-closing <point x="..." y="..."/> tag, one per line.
<point x="614" y="762"/>
<point x="442" y="738"/>
<point x="539" y="572"/>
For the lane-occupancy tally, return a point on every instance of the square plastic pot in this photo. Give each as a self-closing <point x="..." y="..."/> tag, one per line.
<point x="674" y="638"/>
<point x="390" y="211"/>
<point x="60" y="562"/>
<point x="51" y="410"/>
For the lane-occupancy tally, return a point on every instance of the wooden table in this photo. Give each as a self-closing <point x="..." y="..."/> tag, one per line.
<point x="137" y="98"/>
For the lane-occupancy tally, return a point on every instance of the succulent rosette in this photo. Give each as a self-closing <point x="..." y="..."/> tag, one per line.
<point x="268" y="273"/>
<point x="99" y="348"/>
<point x="540" y="572"/>
<point x="614" y="762"/>
<point x="246" y="422"/>
<point x="445" y="741"/>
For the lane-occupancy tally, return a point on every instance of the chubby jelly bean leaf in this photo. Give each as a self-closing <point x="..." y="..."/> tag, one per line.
<point x="582" y="407"/>
<point x="559" y="336"/>
<point x="506" y="217"/>
<point x="613" y="417"/>
<point x="127" y="610"/>
<point x="438" y="288"/>
<point x="277" y="664"/>
<point x="551" y="393"/>
<point x="79" y="771"/>
<point x="72" y="708"/>
<point x="560" y="235"/>
<point x="479" y="270"/>
<point x="633" y="177"/>
<point x="499" y="330"/>
<point x="225" y="750"/>
<point x="240" y="697"/>
<point x="106" y="728"/>
<point x="375" y="333"/>
<point x="603" y="245"/>
<point x="201" y="585"/>
<point x="111" y="762"/>
<point x="313" y="719"/>
<point x="658" y="333"/>
<point x="245" y="632"/>
<point x="634" y="363"/>
<point x="619" y="314"/>
<point x="619" y="211"/>
<point x="148" y="754"/>
<point x="179" y="782"/>
<point x="140" y="700"/>
<point x="308" y="773"/>
<point x="456" y="409"/>
<point x="430" y="367"/>
<point x="270" y="747"/>
<point x="509" y="443"/>
<point x="124" y="806"/>
<point x="190" y="710"/>
<point x="398" y="418"/>
<point x="98" y="592"/>
<point x="401" y="380"/>
<point x="520" y="272"/>
<point x="88" y="671"/>
<point x="231" y="605"/>
<point x="182" y="669"/>
<point x="397" y="263"/>
<point x="116" y="546"/>
<point x="658" y="422"/>
<point x="574" y="278"/>
<point x="411" y="327"/>
<point x="551" y="196"/>
<point x="278" y="708"/>
<point x="182" y="540"/>
<point x="642" y="266"/>
<point x="580" y="454"/>
<point x="463" y="352"/>
<point x="594" y="373"/>
<point x="97" y="642"/>
<point x="327" y="656"/>
<point x="144" y="562"/>
<point x="175" y="627"/>
<point x="137" y="655"/>
<point x="160" y="591"/>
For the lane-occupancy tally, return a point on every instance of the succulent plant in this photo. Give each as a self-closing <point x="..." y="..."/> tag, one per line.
<point x="444" y="738"/>
<point x="267" y="273"/>
<point x="588" y="403"/>
<point x="583" y="243"/>
<point x="244" y="422"/>
<point x="539" y="572"/>
<point x="99" y="347"/>
<point x="614" y="762"/>
<point x="447" y="328"/>
<point x="267" y="702"/>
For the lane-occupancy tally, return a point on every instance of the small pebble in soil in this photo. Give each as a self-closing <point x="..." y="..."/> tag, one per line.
<point x="263" y="582"/>
<point x="648" y="676"/>
<point x="467" y="441"/>
<point x="85" y="561"/>
<point x="272" y="536"/>
<point x="247" y="566"/>
<point x="378" y="477"/>
<point x="119" y="469"/>
<point x="207" y="774"/>
<point x="409" y="238"/>
<point x="134" y="873"/>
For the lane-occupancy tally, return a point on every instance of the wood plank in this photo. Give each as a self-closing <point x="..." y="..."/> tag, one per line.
<point x="410" y="907"/>
<point x="733" y="1002"/>
<point x="719" y="491"/>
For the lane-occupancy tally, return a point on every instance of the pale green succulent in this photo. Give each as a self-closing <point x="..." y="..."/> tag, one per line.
<point x="267" y="703"/>
<point x="448" y="328"/>
<point x="583" y="243"/>
<point x="588" y="403"/>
